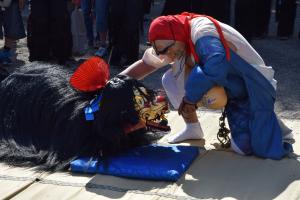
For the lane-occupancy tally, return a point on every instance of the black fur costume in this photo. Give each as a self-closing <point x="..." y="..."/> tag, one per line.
<point x="42" y="120"/>
<point x="3" y="74"/>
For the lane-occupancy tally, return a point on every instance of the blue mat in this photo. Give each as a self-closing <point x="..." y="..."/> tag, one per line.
<point x="153" y="162"/>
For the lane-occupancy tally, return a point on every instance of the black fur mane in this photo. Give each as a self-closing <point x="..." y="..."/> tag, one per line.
<point x="42" y="120"/>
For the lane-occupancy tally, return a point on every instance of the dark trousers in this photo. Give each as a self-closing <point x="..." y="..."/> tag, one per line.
<point x="173" y="7"/>
<point x="249" y="24"/>
<point x="244" y="20"/>
<point x="285" y="15"/>
<point x="262" y="17"/>
<point x="49" y="30"/>
<point x="124" y="22"/>
<point x="219" y="9"/>
<point x="147" y="6"/>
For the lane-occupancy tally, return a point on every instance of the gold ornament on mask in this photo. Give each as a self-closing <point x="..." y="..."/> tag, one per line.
<point x="151" y="112"/>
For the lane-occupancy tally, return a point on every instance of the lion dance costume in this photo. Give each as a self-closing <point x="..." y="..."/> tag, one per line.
<point x="48" y="119"/>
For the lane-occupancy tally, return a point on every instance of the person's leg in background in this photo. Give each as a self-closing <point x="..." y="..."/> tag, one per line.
<point x="8" y="53"/>
<point x="220" y="10"/>
<point x="286" y="18"/>
<point x="38" y="31"/>
<point x="86" y="6"/>
<point x="173" y="7"/>
<point x="116" y="29"/>
<point x="131" y="40"/>
<point x="197" y="6"/>
<point x="13" y="30"/>
<point x="244" y="18"/>
<point x="263" y="14"/>
<point x="3" y="72"/>
<point x="147" y="6"/>
<point x="146" y="11"/>
<point x="13" y="26"/>
<point x="60" y="30"/>
<point x="101" y="11"/>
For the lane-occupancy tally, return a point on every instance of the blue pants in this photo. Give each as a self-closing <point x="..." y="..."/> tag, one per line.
<point x="101" y="13"/>
<point x="238" y="116"/>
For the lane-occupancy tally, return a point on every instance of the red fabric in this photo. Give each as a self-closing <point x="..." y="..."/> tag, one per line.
<point x="161" y="29"/>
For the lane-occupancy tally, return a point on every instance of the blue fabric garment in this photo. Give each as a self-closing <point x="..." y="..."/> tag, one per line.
<point x="238" y="116"/>
<point x="100" y="10"/>
<point x="254" y="124"/>
<point x="93" y="107"/>
<point x="213" y="70"/>
<point x="152" y="162"/>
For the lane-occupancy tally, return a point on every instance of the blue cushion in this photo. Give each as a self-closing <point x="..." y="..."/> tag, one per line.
<point x="152" y="162"/>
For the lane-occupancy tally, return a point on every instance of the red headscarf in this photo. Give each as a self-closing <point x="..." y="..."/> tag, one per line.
<point x="177" y="27"/>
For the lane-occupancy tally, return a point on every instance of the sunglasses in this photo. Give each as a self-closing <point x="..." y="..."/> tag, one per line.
<point x="165" y="50"/>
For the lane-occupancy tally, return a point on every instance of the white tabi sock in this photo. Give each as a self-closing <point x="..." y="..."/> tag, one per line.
<point x="191" y="131"/>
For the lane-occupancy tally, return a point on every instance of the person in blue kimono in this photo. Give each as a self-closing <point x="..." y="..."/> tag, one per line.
<point x="208" y="59"/>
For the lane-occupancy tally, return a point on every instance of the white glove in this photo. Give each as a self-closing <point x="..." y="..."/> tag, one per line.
<point x="150" y="58"/>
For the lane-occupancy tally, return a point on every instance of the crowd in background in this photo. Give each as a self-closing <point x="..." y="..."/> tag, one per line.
<point x="118" y="24"/>
<point x="252" y="17"/>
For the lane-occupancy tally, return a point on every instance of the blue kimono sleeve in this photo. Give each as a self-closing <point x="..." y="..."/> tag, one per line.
<point x="213" y="71"/>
